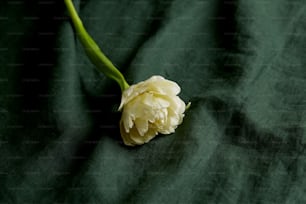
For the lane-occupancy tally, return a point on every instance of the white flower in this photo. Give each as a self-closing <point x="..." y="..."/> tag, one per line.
<point x="148" y="108"/>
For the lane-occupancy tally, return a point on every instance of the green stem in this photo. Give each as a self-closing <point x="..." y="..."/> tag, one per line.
<point x="93" y="51"/>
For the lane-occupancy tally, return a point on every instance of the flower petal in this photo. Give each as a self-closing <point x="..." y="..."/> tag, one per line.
<point x="141" y="126"/>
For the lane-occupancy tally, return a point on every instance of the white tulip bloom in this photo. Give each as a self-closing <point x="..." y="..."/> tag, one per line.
<point x="148" y="108"/>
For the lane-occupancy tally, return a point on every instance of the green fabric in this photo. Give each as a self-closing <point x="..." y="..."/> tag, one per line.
<point x="242" y="64"/>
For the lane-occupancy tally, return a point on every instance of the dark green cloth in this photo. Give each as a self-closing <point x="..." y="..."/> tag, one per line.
<point x="242" y="64"/>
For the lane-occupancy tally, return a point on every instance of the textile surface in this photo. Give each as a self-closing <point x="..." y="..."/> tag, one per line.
<point x="242" y="64"/>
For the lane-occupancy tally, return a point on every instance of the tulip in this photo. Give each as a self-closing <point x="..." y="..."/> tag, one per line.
<point x="149" y="107"/>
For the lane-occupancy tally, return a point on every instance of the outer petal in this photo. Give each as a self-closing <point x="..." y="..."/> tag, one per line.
<point x="163" y="86"/>
<point x="133" y="138"/>
<point x="125" y="136"/>
<point x="156" y="84"/>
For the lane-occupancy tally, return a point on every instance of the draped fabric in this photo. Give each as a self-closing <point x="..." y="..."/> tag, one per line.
<point x="241" y="63"/>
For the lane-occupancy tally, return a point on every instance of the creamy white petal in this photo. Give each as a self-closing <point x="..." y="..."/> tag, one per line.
<point x="125" y="136"/>
<point x="166" y="87"/>
<point x="142" y="126"/>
